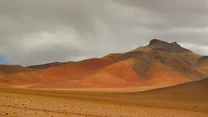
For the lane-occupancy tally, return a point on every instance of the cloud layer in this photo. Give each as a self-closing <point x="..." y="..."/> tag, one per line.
<point x="40" y="31"/>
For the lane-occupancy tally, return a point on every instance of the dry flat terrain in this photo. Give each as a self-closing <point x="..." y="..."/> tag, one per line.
<point x="186" y="100"/>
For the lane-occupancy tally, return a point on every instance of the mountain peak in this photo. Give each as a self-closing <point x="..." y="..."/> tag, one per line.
<point x="157" y="41"/>
<point x="169" y="47"/>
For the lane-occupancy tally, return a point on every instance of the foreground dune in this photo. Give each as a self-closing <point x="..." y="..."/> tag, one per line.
<point x="186" y="100"/>
<point x="3" y="85"/>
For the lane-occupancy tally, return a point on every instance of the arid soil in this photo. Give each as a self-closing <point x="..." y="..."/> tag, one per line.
<point x="80" y="105"/>
<point x="186" y="100"/>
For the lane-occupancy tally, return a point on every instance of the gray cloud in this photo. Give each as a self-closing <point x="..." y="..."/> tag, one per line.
<point x="184" y="13"/>
<point x="39" y="31"/>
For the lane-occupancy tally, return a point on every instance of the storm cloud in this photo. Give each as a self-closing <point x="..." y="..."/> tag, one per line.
<point x="41" y="31"/>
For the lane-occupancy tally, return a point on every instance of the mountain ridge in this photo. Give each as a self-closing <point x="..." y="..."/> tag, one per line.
<point x="157" y="64"/>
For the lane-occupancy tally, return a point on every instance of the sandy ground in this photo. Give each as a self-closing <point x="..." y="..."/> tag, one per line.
<point x="126" y="89"/>
<point x="49" y="103"/>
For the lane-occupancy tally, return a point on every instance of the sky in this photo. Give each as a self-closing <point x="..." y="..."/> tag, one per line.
<point x="4" y="60"/>
<point x="43" y="31"/>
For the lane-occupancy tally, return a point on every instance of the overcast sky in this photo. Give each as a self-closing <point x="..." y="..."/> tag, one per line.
<point x="42" y="31"/>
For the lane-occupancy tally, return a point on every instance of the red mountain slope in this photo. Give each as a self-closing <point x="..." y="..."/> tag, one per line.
<point x="157" y="64"/>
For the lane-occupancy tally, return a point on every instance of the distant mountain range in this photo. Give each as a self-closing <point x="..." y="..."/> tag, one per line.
<point x="158" y="64"/>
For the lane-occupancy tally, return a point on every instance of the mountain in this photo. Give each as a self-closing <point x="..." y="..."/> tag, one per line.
<point x="158" y="64"/>
<point x="47" y="65"/>
<point x="10" y="69"/>
<point x="167" y="47"/>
